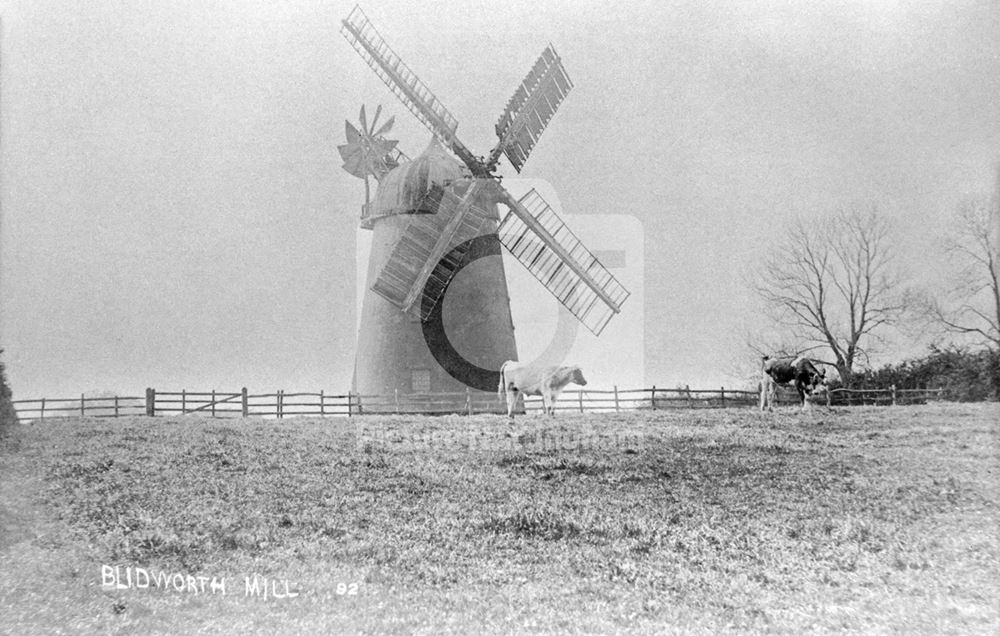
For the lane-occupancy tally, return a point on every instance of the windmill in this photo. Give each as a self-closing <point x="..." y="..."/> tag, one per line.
<point x="423" y="327"/>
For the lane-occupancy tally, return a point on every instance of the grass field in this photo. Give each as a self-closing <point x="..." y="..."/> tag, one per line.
<point x="864" y="519"/>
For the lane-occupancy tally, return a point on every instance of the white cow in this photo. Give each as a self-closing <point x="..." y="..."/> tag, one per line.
<point x="547" y="382"/>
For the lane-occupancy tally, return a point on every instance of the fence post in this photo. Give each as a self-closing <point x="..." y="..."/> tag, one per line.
<point x="281" y="404"/>
<point x="893" y="388"/>
<point x="244" y="403"/>
<point x="687" y="393"/>
<point x="213" y="402"/>
<point x="116" y="406"/>
<point x="150" y="402"/>
<point x="652" y="397"/>
<point x="350" y="406"/>
<point x="83" y="408"/>
<point x="579" y="394"/>
<point x="183" y="401"/>
<point x="468" y="400"/>
<point x="43" y="409"/>
<point x="322" y="404"/>
<point x="616" y="398"/>
<point x="722" y="394"/>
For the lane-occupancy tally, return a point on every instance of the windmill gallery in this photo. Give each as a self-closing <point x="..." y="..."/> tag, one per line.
<point x="436" y="214"/>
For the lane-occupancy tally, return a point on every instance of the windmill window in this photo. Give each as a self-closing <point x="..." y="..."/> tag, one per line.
<point x="420" y="380"/>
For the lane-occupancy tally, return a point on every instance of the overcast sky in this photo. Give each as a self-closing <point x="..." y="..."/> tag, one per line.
<point x="175" y="215"/>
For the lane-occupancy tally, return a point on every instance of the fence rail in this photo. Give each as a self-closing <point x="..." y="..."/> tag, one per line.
<point x="283" y="404"/>
<point x="885" y="397"/>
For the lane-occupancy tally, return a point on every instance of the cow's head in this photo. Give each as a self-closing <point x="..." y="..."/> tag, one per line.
<point x="578" y="377"/>
<point x="817" y="381"/>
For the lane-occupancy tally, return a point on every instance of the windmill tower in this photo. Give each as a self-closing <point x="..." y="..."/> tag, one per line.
<point x="426" y="327"/>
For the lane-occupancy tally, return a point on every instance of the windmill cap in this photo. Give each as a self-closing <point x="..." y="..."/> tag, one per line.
<point x="402" y="190"/>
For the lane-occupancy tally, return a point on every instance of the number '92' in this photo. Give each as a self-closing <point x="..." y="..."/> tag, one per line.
<point x="347" y="589"/>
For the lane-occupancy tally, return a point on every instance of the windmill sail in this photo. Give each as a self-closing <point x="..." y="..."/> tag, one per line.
<point x="540" y="240"/>
<point x="431" y="249"/>
<point x="531" y="107"/>
<point x="403" y="82"/>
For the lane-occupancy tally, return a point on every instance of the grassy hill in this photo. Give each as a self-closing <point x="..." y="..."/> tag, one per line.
<point x="867" y="519"/>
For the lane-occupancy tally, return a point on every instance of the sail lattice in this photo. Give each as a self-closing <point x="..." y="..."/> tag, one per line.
<point x="403" y="82"/>
<point x="531" y="107"/>
<point x="539" y="239"/>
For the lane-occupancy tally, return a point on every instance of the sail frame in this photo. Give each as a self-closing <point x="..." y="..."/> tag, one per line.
<point x="542" y="242"/>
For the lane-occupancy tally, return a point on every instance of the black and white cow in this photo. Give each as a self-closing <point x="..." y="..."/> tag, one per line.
<point x="799" y="372"/>
<point x="547" y="382"/>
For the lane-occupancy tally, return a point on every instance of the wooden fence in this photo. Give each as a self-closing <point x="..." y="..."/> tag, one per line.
<point x="885" y="397"/>
<point x="46" y="408"/>
<point x="283" y="404"/>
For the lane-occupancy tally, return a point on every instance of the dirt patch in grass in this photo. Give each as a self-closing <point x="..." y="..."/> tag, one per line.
<point x="847" y="519"/>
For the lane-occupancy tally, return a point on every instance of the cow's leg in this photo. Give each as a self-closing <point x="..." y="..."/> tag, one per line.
<point x="511" y="402"/>
<point x="552" y="402"/>
<point x="768" y="387"/>
<point x="803" y="402"/>
<point x="772" y="392"/>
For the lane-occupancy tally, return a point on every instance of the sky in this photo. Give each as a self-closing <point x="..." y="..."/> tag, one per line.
<point x="174" y="213"/>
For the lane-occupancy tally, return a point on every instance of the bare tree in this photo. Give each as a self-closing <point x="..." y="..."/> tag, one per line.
<point x="831" y="285"/>
<point x="971" y="307"/>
